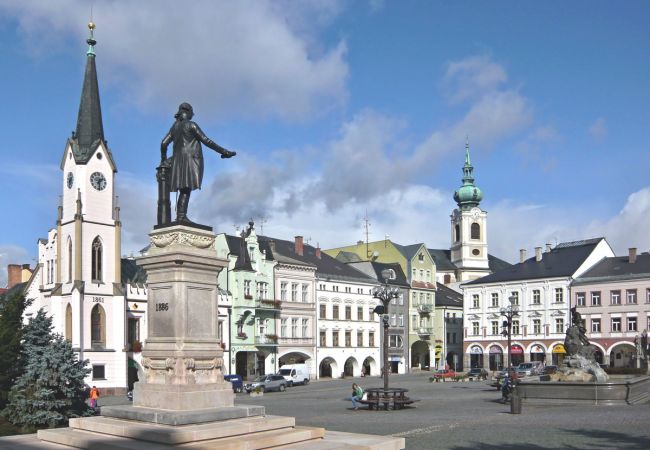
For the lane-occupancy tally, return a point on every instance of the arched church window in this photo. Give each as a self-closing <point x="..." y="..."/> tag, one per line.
<point x="457" y="233"/>
<point x="68" y="323"/>
<point x="69" y="260"/>
<point x="475" y="231"/>
<point x="98" y="327"/>
<point x="96" y="260"/>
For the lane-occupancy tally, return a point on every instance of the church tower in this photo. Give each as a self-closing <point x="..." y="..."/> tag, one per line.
<point x="469" y="252"/>
<point x="80" y="281"/>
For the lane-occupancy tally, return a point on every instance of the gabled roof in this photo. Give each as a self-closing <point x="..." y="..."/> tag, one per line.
<point x="448" y="297"/>
<point x="347" y="257"/>
<point x="561" y="261"/>
<point x="374" y="269"/>
<point x="617" y="268"/>
<point x="409" y="251"/>
<point x="326" y="266"/>
<point x="497" y="264"/>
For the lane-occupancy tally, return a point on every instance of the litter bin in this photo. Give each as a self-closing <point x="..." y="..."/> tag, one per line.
<point x="515" y="403"/>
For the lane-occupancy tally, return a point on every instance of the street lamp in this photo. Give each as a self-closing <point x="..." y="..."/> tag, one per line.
<point x="509" y="312"/>
<point x="385" y="294"/>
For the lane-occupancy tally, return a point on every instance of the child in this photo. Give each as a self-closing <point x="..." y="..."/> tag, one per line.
<point x="94" y="396"/>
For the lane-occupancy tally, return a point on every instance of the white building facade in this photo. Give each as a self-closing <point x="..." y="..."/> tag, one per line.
<point x="539" y="287"/>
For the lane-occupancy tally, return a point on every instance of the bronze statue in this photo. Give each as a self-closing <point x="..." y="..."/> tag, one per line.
<point x="187" y="160"/>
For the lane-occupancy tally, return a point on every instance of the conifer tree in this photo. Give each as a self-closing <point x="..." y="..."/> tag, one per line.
<point x="12" y="306"/>
<point x="52" y="389"/>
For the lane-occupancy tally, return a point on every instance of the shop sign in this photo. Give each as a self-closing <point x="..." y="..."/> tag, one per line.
<point x="516" y="350"/>
<point x="476" y="350"/>
<point x="559" y="348"/>
<point x="537" y="349"/>
<point x="495" y="349"/>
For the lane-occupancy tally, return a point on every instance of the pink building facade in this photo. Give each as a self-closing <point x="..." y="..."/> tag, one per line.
<point x="613" y="298"/>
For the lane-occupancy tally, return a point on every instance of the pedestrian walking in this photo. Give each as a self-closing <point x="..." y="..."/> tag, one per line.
<point x="94" y="396"/>
<point x="357" y="394"/>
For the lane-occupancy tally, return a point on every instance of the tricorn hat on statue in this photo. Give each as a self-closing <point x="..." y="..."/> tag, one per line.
<point x="184" y="107"/>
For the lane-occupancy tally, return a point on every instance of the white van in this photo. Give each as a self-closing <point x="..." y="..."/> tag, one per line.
<point x="295" y="373"/>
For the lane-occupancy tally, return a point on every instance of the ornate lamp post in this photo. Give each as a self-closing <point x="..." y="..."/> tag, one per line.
<point x="385" y="294"/>
<point x="512" y="310"/>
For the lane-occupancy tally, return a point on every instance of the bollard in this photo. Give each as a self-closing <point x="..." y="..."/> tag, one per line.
<point x="515" y="403"/>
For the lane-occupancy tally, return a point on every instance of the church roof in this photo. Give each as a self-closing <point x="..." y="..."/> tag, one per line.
<point x="561" y="261"/>
<point x="132" y="273"/>
<point x="89" y="133"/>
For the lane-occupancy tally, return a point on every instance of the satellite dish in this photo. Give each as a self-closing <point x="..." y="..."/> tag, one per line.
<point x="388" y="274"/>
<point x="375" y="254"/>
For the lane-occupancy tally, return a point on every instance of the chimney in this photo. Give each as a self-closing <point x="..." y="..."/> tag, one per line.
<point x="317" y="251"/>
<point x="299" y="245"/>
<point x="522" y="255"/>
<point x="359" y="242"/>
<point x="632" y="255"/>
<point x="548" y="248"/>
<point x="538" y="253"/>
<point x="14" y="275"/>
<point x="272" y="246"/>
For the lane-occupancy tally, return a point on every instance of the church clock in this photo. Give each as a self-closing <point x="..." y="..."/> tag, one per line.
<point x="98" y="181"/>
<point x="70" y="180"/>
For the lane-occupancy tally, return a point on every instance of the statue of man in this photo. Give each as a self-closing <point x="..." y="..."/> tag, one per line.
<point x="187" y="159"/>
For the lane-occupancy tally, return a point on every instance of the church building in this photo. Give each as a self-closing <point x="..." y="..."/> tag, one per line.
<point x="78" y="280"/>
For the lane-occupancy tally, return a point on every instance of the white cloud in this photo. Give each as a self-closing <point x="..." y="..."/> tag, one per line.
<point x="12" y="254"/>
<point x="250" y="58"/>
<point x="472" y="77"/>
<point x="598" y="130"/>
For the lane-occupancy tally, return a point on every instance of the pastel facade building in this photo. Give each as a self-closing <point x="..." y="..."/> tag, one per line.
<point x="613" y="298"/>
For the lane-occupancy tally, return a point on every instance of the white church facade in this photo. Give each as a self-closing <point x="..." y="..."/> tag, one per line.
<point x="79" y="276"/>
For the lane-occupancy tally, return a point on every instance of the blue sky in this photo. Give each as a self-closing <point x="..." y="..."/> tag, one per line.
<point x="341" y="107"/>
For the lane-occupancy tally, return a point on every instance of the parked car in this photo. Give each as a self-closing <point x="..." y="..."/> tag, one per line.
<point x="548" y="370"/>
<point x="295" y="374"/>
<point x="267" y="383"/>
<point x="530" y="368"/>
<point x="443" y="374"/>
<point x="477" y="374"/>
<point x="236" y="381"/>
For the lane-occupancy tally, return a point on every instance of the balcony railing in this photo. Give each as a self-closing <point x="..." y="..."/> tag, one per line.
<point x="424" y="331"/>
<point x="268" y="304"/>
<point x="296" y="341"/>
<point x="425" y="309"/>
<point x="268" y="339"/>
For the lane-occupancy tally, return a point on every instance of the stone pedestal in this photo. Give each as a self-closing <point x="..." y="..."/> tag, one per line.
<point x="182" y="357"/>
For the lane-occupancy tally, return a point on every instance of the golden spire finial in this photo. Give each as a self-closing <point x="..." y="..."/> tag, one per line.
<point x="91" y="25"/>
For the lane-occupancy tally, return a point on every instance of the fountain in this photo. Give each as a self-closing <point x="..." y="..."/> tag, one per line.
<point x="580" y="379"/>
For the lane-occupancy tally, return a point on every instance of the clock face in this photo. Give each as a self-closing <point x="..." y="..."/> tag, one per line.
<point x="476" y="212"/>
<point x="70" y="180"/>
<point x="98" y="181"/>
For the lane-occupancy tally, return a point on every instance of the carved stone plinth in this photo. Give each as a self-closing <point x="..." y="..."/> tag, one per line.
<point x="182" y="358"/>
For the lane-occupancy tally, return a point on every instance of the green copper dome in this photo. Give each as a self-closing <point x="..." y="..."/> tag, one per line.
<point x="468" y="195"/>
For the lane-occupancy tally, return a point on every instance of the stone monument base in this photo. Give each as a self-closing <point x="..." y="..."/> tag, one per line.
<point x="257" y="432"/>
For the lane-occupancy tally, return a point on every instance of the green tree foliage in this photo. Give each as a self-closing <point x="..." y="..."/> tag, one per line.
<point x="12" y="306"/>
<point x="51" y="389"/>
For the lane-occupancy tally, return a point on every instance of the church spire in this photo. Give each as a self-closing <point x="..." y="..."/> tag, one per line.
<point x="468" y="195"/>
<point x="90" y="130"/>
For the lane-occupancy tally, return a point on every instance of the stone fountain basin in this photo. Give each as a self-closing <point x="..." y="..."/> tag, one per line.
<point x="619" y="390"/>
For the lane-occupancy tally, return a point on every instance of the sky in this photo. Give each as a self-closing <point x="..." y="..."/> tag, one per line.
<point x="341" y="110"/>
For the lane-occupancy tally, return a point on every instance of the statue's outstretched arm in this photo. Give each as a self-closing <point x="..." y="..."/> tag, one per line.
<point x="164" y="144"/>
<point x="210" y="143"/>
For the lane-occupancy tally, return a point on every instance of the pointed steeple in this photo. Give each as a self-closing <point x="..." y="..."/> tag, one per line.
<point x="468" y="195"/>
<point x="90" y="130"/>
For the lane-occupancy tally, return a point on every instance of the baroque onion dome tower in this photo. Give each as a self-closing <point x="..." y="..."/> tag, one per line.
<point x="91" y="304"/>
<point x="469" y="252"/>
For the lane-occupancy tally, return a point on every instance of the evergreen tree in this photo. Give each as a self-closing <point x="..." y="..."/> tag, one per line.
<point x="12" y="306"/>
<point x="52" y="388"/>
